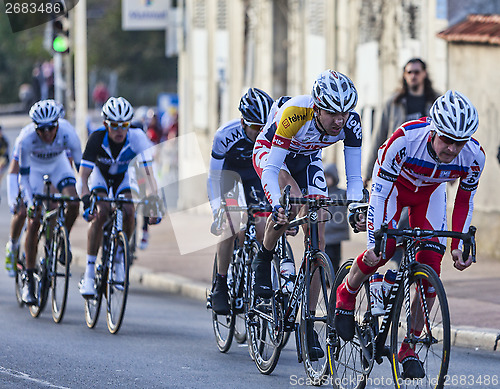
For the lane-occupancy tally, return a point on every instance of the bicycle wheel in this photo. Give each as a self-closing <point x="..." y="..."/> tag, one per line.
<point x="238" y="301"/>
<point x="264" y="339"/>
<point x="20" y="268"/>
<point x="117" y="285"/>
<point x="313" y="323"/>
<point x="93" y="305"/>
<point x="60" y="277"/>
<point x="223" y="324"/>
<point x="40" y="274"/>
<point x="347" y="366"/>
<point x="429" y="309"/>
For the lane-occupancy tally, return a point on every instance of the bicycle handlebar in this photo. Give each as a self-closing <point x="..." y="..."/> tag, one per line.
<point x="469" y="238"/>
<point x="251" y="209"/>
<point x="56" y="197"/>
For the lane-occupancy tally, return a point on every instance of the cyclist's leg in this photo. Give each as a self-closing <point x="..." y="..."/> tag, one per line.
<point x="63" y="177"/>
<point x="18" y="210"/>
<point x="73" y="207"/>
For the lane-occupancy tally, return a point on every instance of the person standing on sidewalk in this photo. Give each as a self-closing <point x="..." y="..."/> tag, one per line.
<point x="232" y="160"/>
<point x="411" y="171"/>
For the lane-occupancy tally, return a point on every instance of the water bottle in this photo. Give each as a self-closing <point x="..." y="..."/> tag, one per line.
<point x="389" y="279"/>
<point x="287" y="271"/>
<point x="376" y="294"/>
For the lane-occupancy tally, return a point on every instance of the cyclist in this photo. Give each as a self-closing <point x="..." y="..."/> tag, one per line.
<point x="42" y="150"/>
<point x="105" y="162"/>
<point x="289" y="152"/>
<point x="411" y="170"/>
<point x="232" y="151"/>
<point x="17" y="206"/>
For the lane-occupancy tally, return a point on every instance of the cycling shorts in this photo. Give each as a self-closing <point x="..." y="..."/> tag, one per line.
<point x="306" y="170"/>
<point x="59" y="170"/>
<point x="111" y="187"/>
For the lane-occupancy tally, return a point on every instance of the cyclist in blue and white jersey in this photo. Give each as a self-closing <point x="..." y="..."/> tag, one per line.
<point x="232" y="152"/>
<point x="105" y="170"/>
<point x="42" y="150"/>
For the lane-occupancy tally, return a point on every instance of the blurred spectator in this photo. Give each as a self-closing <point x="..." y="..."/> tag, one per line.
<point x="27" y="96"/>
<point x="100" y="95"/>
<point x="47" y="90"/>
<point x="498" y="155"/>
<point x="412" y="101"/>
<point x="154" y="130"/>
<point x="337" y="229"/>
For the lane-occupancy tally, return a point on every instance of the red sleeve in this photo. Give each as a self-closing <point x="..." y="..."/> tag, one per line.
<point x="460" y="213"/>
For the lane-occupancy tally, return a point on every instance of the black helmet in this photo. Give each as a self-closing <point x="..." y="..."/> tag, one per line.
<point x="255" y="106"/>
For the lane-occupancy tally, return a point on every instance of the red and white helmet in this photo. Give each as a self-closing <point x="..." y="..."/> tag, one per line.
<point x="454" y="116"/>
<point x="334" y="92"/>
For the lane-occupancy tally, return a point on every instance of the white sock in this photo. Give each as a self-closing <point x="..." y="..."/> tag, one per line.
<point x="90" y="271"/>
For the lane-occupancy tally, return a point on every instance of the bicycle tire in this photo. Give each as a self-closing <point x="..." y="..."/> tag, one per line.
<point x="238" y="305"/>
<point x="40" y="274"/>
<point x="264" y="343"/>
<point x="93" y="305"/>
<point x="20" y="269"/>
<point x="344" y="358"/>
<point x="60" y="276"/>
<point x="117" y="291"/>
<point x="433" y="345"/>
<point x="241" y="334"/>
<point x="320" y="269"/>
<point x="223" y="325"/>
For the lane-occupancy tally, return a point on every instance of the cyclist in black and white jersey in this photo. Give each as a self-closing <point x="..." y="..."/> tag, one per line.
<point x="232" y="152"/>
<point x="105" y="170"/>
<point x="42" y="150"/>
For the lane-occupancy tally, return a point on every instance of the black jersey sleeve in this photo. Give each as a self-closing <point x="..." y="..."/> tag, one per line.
<point x="94" y="143"/>
<point x="353" y="131"/>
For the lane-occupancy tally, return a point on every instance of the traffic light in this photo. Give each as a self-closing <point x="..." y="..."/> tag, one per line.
<point x="60" y="34"/>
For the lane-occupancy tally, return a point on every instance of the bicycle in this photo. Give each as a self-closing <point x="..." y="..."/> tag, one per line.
<point x="410" y="303"/>
<point x="268" y="320"/>
<point x="52" y="271"/>
<point x="114" y="243"/>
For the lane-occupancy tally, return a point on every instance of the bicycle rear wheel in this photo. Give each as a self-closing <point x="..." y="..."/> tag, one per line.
<point x="93" y="305"/>
<point x="223" y="324"/>
<point x="60" y="277"/>
<point x="117" y="289"/>
<point x="40" y="274"/>
<point x="429" y="308"/>
<point x="238" y="304"/>
<point x="264" y="340"/>
<point x="20" y="269"/>
<point x="315" y="325"/>
<point x="345" y="358"/>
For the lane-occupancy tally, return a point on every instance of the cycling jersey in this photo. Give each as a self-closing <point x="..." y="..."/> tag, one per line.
<point x="291" y="135"/>
<point x="37" y="158"/>
<point x="232" y="151"/>
<point x="408" y="173"/>
<point x="113" y="159"/>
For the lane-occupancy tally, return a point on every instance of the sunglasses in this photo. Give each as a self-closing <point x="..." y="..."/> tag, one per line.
<point x="46" y="127"/>
<point x="450" y="141"/>
<point x="117" y="125"/>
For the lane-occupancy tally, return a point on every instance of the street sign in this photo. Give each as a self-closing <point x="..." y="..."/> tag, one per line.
<point x="145" y="14"/>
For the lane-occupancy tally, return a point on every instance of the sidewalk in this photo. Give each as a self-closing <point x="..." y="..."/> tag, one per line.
<point x="473" y="295"/>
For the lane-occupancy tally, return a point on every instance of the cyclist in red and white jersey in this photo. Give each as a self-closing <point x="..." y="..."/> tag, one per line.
<point x="412" y="168"/>
<point x="288" y="151"/>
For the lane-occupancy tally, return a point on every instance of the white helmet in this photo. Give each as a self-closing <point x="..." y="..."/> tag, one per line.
<point x="454" y="116"/>
<point x="117" y="109"/>
<point x="334" y="92"/>
<point x="45" y="112"/>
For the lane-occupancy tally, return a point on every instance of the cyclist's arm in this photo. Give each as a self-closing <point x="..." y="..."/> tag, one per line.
<point x="385" y="174"/>
<point x="13" y="184"/>
<point x="464" y="200"/>
<point x="270" y="174"/>
<point x="75" y="148"/>
<point x="352" y="156"/>
<point x="214" y="182"/>
<point x="24" y="171"/>
<point x="85" y="172"/>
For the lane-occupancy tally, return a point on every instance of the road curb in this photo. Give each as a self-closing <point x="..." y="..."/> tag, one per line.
<point x="468" y="337"/>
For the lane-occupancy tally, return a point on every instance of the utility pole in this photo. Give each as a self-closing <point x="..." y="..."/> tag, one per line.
<point x="81" y="81"/>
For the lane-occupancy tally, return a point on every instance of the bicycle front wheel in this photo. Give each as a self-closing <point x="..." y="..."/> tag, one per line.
<point x="93" y="305"/>
<point x="313" y="321"/>
<point x="40" y="274"/>
<point x="345" y="359"/>
<point x="60" y="276"/>
<point x="223" y="324"/>
<point x="264" y="338"/>
<point x="429" y="334"/>
<point x="117" y="283"/>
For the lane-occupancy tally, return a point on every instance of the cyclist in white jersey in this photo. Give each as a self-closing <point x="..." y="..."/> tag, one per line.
<point x="412" y="168"/>
<point x="288" y="151"/>
<point x="42" y="150"/>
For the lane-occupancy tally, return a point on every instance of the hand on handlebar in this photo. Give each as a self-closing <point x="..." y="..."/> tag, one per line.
<point x="458" y="261"/>
<point x="279" y="215"/>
